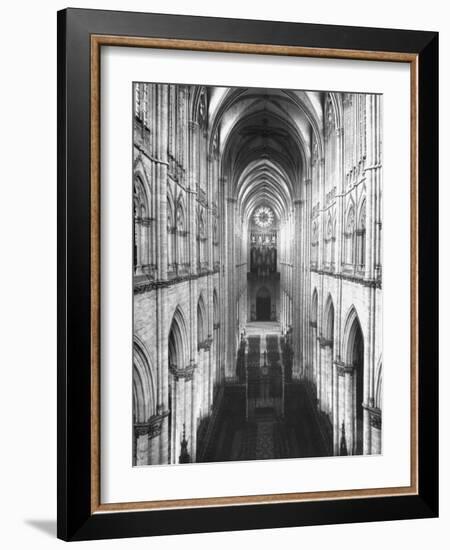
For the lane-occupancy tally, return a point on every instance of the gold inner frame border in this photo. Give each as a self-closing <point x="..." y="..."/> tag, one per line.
<point x="97" y="41"/>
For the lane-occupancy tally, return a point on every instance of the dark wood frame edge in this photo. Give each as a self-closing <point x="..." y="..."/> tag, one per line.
<point x="75" y="518"/>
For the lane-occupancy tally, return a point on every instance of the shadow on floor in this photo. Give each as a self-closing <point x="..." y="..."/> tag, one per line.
<point x="46" y="526"/>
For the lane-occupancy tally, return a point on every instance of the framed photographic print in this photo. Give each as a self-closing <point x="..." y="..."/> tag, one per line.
<point x="247" y="252"/>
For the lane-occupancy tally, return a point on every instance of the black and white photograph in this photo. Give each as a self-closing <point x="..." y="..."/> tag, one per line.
<point x="257" y="273"/>
<point x="223" y="282"/>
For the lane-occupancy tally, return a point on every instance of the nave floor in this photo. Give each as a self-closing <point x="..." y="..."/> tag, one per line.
<point x="259" y="427"/>
<point x="300" y="433"/>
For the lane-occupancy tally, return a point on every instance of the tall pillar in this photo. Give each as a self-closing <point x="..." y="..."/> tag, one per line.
<point x="191" y="416"/>
<point x="156" y="423"/>
<point x="141" y="444"/>
<point x="340" y="418"/>
<point x="349" y="416"/>
<point x="329" y="379"/>
<point x="375" y="424"/>
<point x="230" y="284"/>
<point x="326" y="387"/>
<point x="321" y="214"/>
<point x="335" y="416"/>
<point x="319" y="380"/>
<point x="310" y="342"/>
<point x="160" y="166"/>
<point x="346" y="405"/>
<point x="209" y="360"/>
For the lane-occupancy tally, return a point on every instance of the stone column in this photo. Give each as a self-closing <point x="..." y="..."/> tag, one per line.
<point x="326" y="354"/>
<point x="192" y="193"/>
<point x="141" y="444"/>
<point x="191" y="416"/>
<point x="231" y="285"/>
<point x="329" y="379"/>
<point x="369" y="367"/>
<point x="323" y="376"/>
<point x="335" y="416"/>
<point x="194" y="384"/>
<point x="221" y="278"/>
<point x="198" y="386"/>
<point x="310" y="342"/>
<point x="320" y="247"/>
<point x="340" y="419"/>
<point x="375" y="424"/>
<point x="349" y="415"/>
<point x="209" y="361"/>
<point x="183" y="410"/>
<point x="163" y="323"/>
<point x="346" y="408"/>
<point x="319" y="380"/>
<point x="156" y="423"/>
<point x="373" y="177"/>
<point x="179" y="419"/>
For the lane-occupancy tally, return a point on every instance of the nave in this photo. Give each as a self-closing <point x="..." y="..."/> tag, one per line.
<point x="257" y="261"/>
<point x="261" y="420"/>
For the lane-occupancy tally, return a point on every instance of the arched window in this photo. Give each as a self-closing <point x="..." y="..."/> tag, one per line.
<point x="137" y="100"/>
<point x="178" y="361"/>
<point x="331" y="154"/>
<point x="354" y="358"/>
<point x="326" y="360"/>
<point x="145" y="104"/>
<point x="361" y="238"/>
<point x="349" y="237"/>
<point x="142" y="229"/>
<point x="330" y="241"/>
<point x="181" y="240"/>
<point x="171" y="240"/>
<point x="215" y="237"/>
<point x="143" y="388"/>
<point x="172" y="126"/>
<point x="141" y="102"/>
<point x="328" y="321"/>
<point x="201" y="241"/>
<point x="201" y="322"/>
<point x="144" y="403"/>
<point x="202" y="119"/>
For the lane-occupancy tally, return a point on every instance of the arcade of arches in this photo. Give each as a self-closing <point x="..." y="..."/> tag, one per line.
<point x="257" y="274"/>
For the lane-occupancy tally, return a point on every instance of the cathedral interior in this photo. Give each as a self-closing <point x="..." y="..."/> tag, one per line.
<point x="257" y="274"/>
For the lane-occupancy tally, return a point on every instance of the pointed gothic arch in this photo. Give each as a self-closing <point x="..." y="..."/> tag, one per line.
<point x="328" y="320"/>
<point x="349" y="235"/>
<point x="178" y="341"/>
<point x="144" y="400"/>
<point x="181" y="235"/>
<point x="361" y="235"/>
<point x="326" y="358"/>
<point x="353" y="352"/>
<point x="202" y="321"/>
<point x="171" y="236"/>
<point x="178" y="360"/>
<point x="142" y="236"/>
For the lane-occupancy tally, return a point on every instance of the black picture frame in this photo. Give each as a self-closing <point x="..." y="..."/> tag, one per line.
<point x="76" y="521"/>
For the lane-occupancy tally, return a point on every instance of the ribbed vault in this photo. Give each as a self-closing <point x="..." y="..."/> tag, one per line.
<point x="265" y="138"/>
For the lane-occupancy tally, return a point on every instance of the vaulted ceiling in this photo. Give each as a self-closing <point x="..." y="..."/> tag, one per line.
<point x="265" y="144"/>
